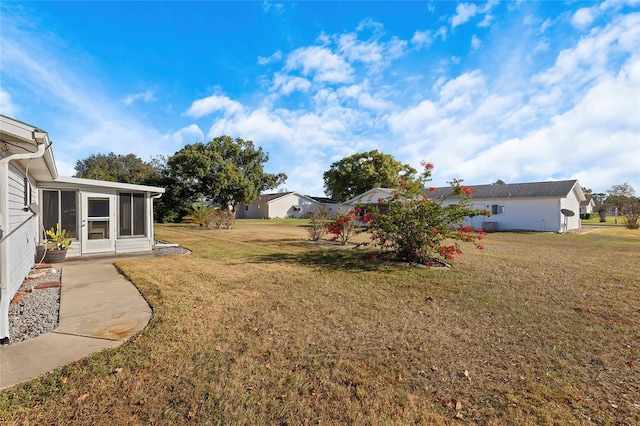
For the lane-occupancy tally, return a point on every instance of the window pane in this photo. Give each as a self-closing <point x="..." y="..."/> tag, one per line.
<point x="138" y="214"/>
<point x="98" y="207"/>
<point x="50" y="209"/>
<point x="125" y="214"/>
<point x="68" y="213"/>
<point x="98" y="229"/>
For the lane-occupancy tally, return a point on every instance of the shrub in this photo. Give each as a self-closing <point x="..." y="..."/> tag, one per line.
<point x="346" y="225"/>
<point x="418" y="228"/>
<point x="585" y="216"/>
<point x="318" y="223"/>
<point x="631" y="212"/>
<point x="200" y="213"/>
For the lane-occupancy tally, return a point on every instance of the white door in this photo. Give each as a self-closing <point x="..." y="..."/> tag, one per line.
<point x="98" y="223"/>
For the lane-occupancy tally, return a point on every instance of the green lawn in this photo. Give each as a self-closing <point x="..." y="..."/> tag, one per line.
<point x="610" y="220"/>
<point x="258" y="327"/>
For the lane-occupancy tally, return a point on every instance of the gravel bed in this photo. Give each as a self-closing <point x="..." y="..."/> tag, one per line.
<point x="38" y="312"/>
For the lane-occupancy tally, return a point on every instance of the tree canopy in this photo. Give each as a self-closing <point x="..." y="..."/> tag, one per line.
<point x="225" y="171"/>
<point x="360" y="172"/>
<point x="117" y="168"/>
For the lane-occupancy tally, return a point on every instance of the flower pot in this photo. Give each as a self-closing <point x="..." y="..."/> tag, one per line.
<point x="55" y="256"/>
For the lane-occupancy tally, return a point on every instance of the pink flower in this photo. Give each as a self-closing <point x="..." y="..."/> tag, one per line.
<point x="428" y="166"/>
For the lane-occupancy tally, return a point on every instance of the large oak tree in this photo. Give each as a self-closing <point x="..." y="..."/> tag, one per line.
<point x="225" y="171"/>
<point x="361" y="172"/>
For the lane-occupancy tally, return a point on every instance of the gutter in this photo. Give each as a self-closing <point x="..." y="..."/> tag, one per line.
<point x="42" y="142"/>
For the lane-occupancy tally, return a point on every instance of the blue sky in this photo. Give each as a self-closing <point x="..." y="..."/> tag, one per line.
<point x="518" y="91"/>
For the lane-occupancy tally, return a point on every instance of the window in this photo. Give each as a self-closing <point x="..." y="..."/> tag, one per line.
<point x="132" y="214"/>
<point x="497" y="209"/>
<point x="60" y="207"/>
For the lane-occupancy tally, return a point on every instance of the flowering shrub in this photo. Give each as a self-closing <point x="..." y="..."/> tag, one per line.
<point x="346" y="225"/>
<point x="418" y="228"/>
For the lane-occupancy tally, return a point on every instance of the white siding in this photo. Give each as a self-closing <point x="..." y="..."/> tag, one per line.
<point x="21" y="245"/>
<point x="128" y="245"/>
<point x="253" y="211"/>
<point x="527" y="214"/>
<point x="571" y="202"/>
<point x="291" y="205"/>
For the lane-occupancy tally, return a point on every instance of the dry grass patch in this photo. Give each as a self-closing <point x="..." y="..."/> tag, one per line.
<point x="259" y="327"/>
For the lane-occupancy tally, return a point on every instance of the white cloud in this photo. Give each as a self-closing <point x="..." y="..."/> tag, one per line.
<point x="321" y="63"/>
<point x="190" y="134"/>
<point x="286" y="84"/>
<point x="442" y="33"/>
<point x="211" y="104"/>
<point x="260" y="125"/>
<point x="591" y="55"/>
<point x="583" y="17"/>
<point x="276" y="8"/>
<point x="475" y="42"/>
<point x="421" y="39"/>
<point x="146" y="96"/>
<point x="464" y="12"/>
<point x="6" y="105"/>
<point x="276" y="57"/>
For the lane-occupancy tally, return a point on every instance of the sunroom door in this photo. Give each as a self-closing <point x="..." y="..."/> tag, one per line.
<point x="98" y="223"/>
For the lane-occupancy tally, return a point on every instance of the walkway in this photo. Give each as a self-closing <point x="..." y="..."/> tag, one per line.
<point x="99" y="309"/>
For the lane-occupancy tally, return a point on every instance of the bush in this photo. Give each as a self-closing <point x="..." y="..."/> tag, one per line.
<point x="345" y="225"/>
<point x="418" y="228"/>
<point x="318" y="223"/>
<point x="585" y="216"/>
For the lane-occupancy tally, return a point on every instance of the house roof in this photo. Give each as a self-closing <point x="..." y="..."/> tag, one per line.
<point x="109" y="184"/>
<point x="371" y="195"/>
<point x="19" y="138"/>
<point x="266" y="198"/>
<point x="558" y="188"/>
<point x="324" y="200"/>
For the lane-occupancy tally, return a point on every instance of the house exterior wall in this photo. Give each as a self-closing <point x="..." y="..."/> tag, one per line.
<point x="291" y="205"/>
<point x="528" y="214"/>
<point x="122" y="244"/>
<point x="334" y="209"/>
<point x="21" y="232"/>
<point x="571" y="202"/>
<point x="21" y="245"/>
<point x="253" y="211"/>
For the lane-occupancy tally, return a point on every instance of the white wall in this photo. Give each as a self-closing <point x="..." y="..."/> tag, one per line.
<point x="530" y="214"/>
<point x="253" y="211"/>
<point x="284" y="207"/>
<point x="20" y="246"/>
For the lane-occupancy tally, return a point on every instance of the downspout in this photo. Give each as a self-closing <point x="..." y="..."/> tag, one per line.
<point x="41" y="141"/>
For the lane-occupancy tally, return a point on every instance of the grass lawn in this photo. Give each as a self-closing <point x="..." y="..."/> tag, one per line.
<point x="610" y="220"/>
<point x="258" y="327"/>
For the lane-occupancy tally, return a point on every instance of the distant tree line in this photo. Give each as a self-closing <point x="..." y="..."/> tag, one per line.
<point x="224" y="172"/>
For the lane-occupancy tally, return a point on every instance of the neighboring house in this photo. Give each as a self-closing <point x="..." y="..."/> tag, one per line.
<point x="587" y="206"/>
<point x="536" y="206"/>
<point x="332" y="206"/>
<point x="280" y="205"/>
<point x="99" y="216"/>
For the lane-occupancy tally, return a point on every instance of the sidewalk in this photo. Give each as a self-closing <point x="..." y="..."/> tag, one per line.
<point x="99" y="309"/>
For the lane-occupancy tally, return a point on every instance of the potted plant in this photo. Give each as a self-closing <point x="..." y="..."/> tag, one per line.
<point x="56" y="245"/>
